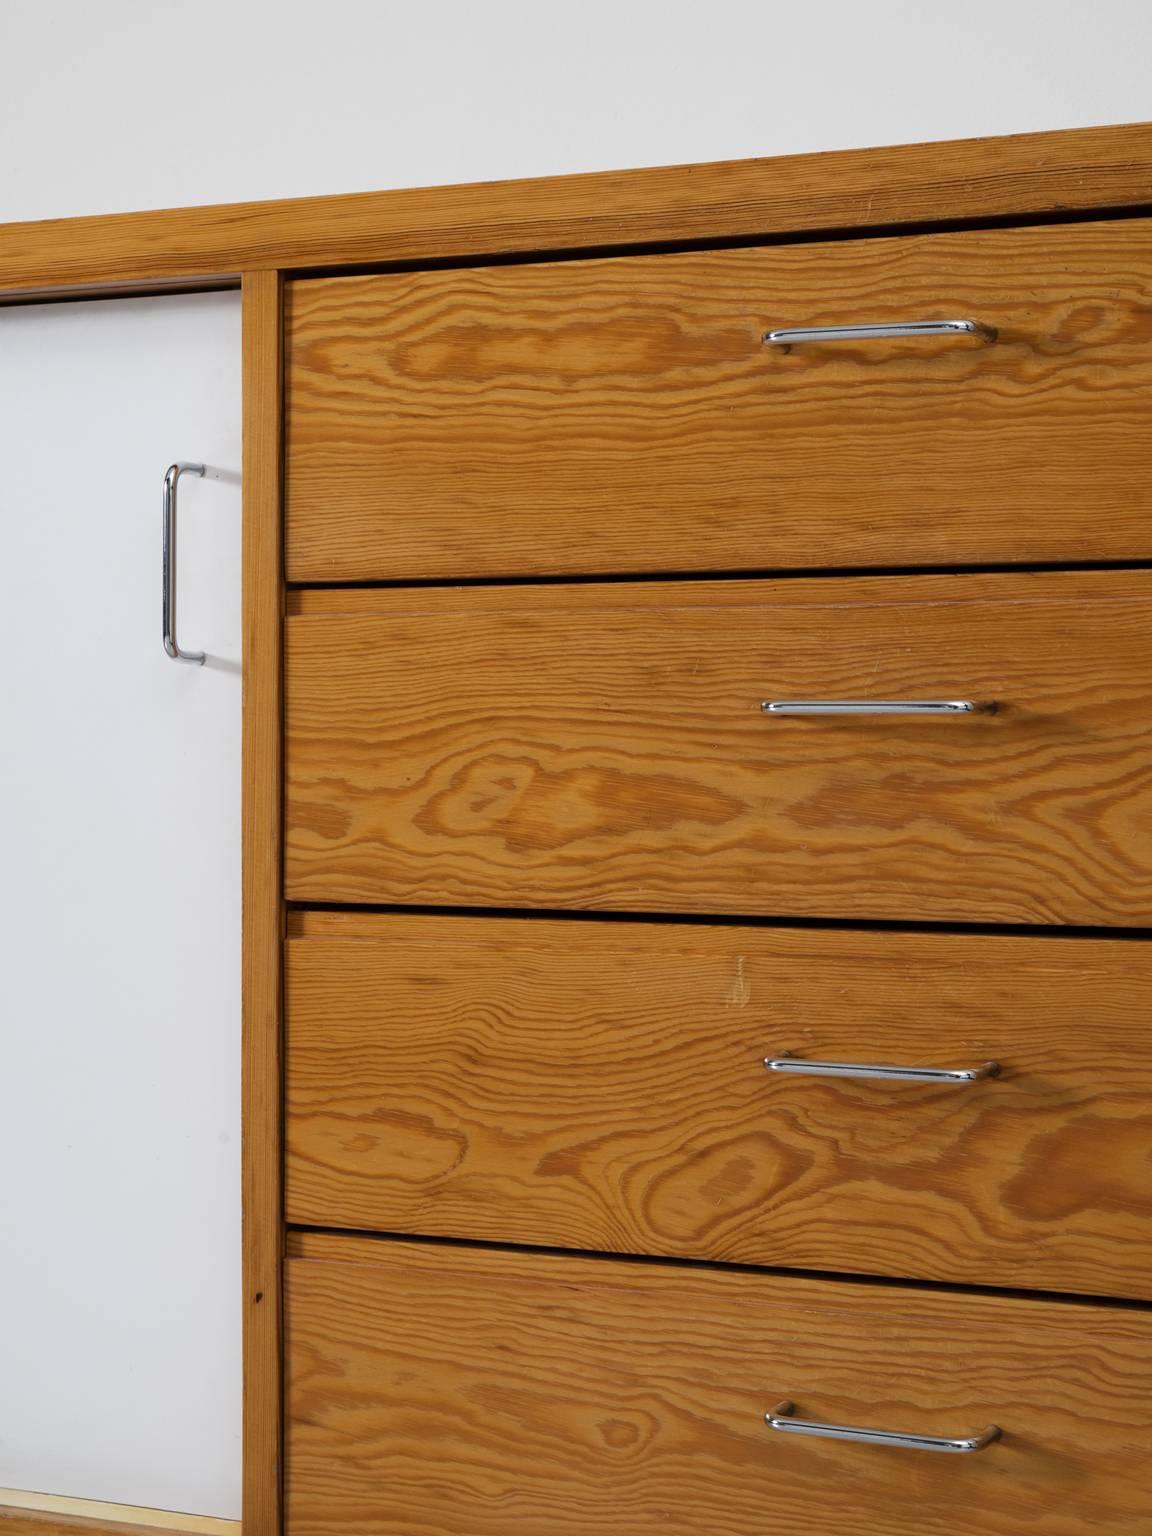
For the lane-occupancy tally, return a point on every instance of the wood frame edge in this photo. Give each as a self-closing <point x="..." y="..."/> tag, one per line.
<point x="41" y="1514"/>
<point x="30" y="1522"/>
<point x="263" y="907"/>
<point x="1055" y="174"/>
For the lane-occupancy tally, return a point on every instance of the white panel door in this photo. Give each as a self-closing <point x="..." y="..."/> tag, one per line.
<point x="119" y="906"/>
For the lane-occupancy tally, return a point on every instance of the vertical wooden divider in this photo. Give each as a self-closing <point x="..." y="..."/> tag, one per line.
<point x="263" y="904"/>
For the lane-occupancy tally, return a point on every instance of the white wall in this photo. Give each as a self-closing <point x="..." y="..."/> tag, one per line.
<point x="122" y="104"/>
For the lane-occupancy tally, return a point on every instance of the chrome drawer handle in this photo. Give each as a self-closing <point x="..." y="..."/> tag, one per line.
<point x="896" y="328"/>
<point x="798" y="1065"/>
<point x="877" y="707"/>
<point x="781" y="1417"/>
<point x="171" y="480"/>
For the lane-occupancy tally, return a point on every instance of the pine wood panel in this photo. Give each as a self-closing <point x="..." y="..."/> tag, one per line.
<point x="1034" y="173"/>
<point x="624" y="415"/>
<point x="604" y="747"/>
<point x="262" y="903"/>
<point x="601" y="1085"/>
<point x="447" y="1393"/>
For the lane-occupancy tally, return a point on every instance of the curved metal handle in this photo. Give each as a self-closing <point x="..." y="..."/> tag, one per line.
<point x="878" y="707"/>
<point x="895" y="328"/>
<point x="171" y="480"/>
<point x="782" y="1418"/>
<point x="796" y="1064"/>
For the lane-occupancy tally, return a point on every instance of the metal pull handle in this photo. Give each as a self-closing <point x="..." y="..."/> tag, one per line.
<point x="782" y="1418"/>
<point x="877" y="707"/>
<point x="789" y="1063"/>
<point x="171" y="480"/>
<point x="895" y="328"/>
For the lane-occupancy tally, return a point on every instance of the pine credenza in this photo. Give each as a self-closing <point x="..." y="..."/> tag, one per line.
<point x="697" y="841"/>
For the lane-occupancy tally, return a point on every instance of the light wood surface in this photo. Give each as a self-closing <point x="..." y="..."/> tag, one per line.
<point x="601" y="1085"/>
<point x="47" y="1514"/>
<point x="262" y="903"/>
<point x="438" y="1392"/>
<point x="625" y="415"/>
<point x="1035" y="173"/>
<point x="604" y="747"/>
<point x="30" y="1522"/>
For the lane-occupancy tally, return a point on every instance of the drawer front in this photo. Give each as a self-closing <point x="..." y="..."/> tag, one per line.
<point x="447" y="1393"/>
<point x="604" y="747"/>
<point x="626" y="415"/>
<point x="603" y="1086"/>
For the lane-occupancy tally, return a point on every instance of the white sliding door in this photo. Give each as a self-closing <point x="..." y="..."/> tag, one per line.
<point x="119" y="906"/>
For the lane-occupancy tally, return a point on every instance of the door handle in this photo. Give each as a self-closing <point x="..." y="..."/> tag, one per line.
<point x="782" y="1418"/>
<point x="877" y="707"/>
<point x="894" y="328"/>
<point x="171" y="481"/>
<point x="801" y="1067"/>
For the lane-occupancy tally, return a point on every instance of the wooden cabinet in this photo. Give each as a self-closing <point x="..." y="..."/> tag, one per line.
<point x="718" y="848"/>
<point x="648" y="1059"/>
<point x="442" y="1392"/>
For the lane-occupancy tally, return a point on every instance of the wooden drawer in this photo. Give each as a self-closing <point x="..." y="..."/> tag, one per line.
<point x="602" y="1086"/>
<point x="625" y="415"/>
<point x="438" y="1392"/>
<point x="603" y="746"/>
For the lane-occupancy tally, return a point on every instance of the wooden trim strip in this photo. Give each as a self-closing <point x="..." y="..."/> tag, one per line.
<point x="263" y="908"/>
<point x="1035" y="174"/>
<point x="26" y="1522"/>
<point x="145" y="288"/>
<point x="48" y="1514"/>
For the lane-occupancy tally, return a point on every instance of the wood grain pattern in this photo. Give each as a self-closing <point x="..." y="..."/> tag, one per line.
<point x="602" y="1086"/>
<point x="444" y="1393"/>
<point x="624" y="415"/>
<point x="262" y="902"/>
<point x="604" y="747"/>
<point x="1035" y="173"/>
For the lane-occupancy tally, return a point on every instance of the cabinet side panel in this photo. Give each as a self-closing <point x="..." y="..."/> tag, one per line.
<point x="262" y="905"/>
